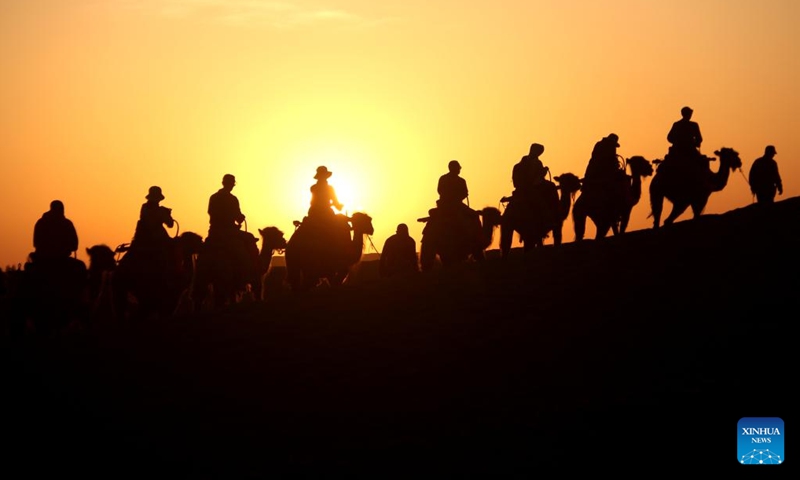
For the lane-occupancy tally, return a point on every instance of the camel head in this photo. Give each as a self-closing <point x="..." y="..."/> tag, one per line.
<point x="272" y="238"/>
<point x="101" y="257"/>
<point x="640" y="166"/>
<point x="729" y="157"/>
<point x="491" y="216"/>
<point x="568" y="183"/>
<point x="362" y="223"/>
<point x="190" y="242"/>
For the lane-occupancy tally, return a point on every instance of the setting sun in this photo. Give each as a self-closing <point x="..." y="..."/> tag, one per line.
<point x="103" y="100"/>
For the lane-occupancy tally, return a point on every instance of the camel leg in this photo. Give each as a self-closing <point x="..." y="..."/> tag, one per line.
<point x="557" y="234"/>
<point x="623" y="222"/>
<point x="427" y="256"/>
<point x="506" y="236"/>
<point x="699" y="207"/>
<point x="579" y="219"/>
<point x="677" y="211"/>
<point x="656" y="205"/>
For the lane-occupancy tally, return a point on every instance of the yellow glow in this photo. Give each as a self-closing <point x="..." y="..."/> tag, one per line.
<point x="103" y="99"/>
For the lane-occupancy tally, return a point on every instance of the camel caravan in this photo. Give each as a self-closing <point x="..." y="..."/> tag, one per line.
<point x="158" y="275"/>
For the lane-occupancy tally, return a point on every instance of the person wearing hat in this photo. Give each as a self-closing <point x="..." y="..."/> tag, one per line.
<point x="764" y="178"/>
<point x="323" y="196"/>
<point x="54" y="235"/>
<point x="150" y="232"/>
<point x="685" y="136"/>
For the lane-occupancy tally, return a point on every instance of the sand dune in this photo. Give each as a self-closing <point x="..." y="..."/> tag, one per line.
<point x="642" y="349"/>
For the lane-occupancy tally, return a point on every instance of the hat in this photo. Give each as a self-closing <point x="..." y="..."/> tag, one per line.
<point x="154" y="194"/>
<point x="322" y="172"/>
<point x="536" y="149"/>
<point x="686" y="110"/>
<point x="613" y="137"/>
<point x="770" y="149"/>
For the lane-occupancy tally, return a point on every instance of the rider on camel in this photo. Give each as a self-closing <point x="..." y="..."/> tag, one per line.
<point x="150" y="236"/>
<point x="529" y="173"/>
<point x="603" y="169"/>
<point x="225" y="220"/>
<point x="54" y="235"/>
<point x="685" y="138"/>
<point x="323" y="196"/>
<point x="453" y="191"/>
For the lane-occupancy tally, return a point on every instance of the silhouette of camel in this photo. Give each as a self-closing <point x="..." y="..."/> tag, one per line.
<point x="102" y="263"/>
<point x="610" y="208"/>
<point x="145" y="284"/>
<point x="447" y="239"/>
<point x="225" y="276"/>
<point x="53" y="294"/>
<point x="325" y="250"/>
<point x="689" y="185"/>
<point x="272" y="240"/>
<point x="546" y="214"/>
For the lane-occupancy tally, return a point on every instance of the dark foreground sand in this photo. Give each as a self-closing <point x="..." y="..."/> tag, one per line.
<point x="634" y="353"/>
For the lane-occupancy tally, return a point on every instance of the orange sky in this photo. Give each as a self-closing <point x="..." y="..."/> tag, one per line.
<point x="102" y="99"/>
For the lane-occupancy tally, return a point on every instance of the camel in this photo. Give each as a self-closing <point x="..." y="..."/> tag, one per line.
<point x="687" y="185"/>
<point x="323" y="249"/>
<point x="545" y="215"/>
<point x="610" y="208"/>
<point x="53" y="294"/>
<point x="448" y="239"/>
<point x="272" y="240"/>
<point x="102" y="263"/>
<point x="148" y="282"/>
<point x="226" y="273"/>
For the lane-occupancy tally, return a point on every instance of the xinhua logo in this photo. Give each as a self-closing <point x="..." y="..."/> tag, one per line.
<point x="760" y="441"/>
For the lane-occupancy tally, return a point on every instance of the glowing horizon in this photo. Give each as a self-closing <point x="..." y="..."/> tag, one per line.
<point x="104" y="99"/>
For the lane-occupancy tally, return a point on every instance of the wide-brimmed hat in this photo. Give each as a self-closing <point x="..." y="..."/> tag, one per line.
<point x="322" y="172"/>
<point x="155" y="194"/>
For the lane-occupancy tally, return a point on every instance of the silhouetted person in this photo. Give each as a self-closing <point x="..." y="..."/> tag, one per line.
<point x="452" y="188"/>
<point x="150" y="231"/>
<point x="529" y="172"/>
<point x="225" y="220"/>
<point x="151" y="240"/>
<point x="604" y="168"/>
<point x="765" y="180"/>
<point x="323" y="196"/>
<point x="225" y="216"/>
<point x="399" y="255"/>
<point x="685" y="136"/>
<point x="54" y="235"/>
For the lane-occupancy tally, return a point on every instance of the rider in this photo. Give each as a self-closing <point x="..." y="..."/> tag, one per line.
<point x="453" y="191"/>
<point x="54" y="235"/>
<point x="150" y="235"/>
<point x="529" y="173"/>
<point x="323" y="196"/>
<point x="150" y="231"/>
<point x="685" y="137"/>
<point x="603" y="168"/>
<point x="225" y="219"/>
